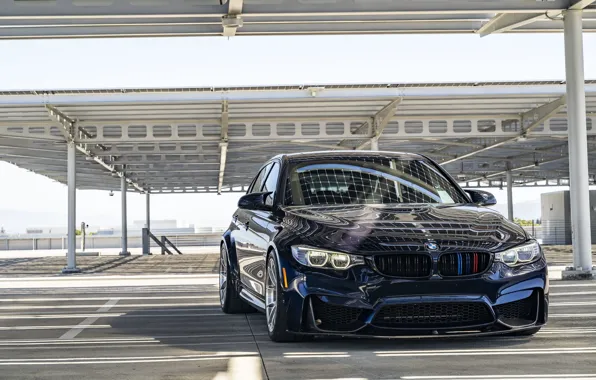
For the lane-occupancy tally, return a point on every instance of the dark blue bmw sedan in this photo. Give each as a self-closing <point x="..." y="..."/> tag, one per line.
<point x="377" y="244"/>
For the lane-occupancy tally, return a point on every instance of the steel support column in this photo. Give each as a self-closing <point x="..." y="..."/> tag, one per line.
<point x="374" y="143"/>
<point x="509" y="195"/>
<point x="578" y="142"/>
<point x="147" y="229"/>
<point x="124" y="222"/>
<point x="148" y="211"/>
<point x="71" y="258"/>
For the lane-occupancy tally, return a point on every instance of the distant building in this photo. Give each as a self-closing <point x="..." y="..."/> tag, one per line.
<point x="556" y="217"/>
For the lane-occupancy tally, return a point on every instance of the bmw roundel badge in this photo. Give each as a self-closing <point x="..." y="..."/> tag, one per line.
<point x="431" y="246"/>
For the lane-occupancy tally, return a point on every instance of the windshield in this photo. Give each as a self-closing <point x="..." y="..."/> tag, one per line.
<point x="369" y="180"/>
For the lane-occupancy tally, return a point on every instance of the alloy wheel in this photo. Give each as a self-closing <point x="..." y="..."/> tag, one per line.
<point x="223" y="276"/>
<point x="271" y="295"/>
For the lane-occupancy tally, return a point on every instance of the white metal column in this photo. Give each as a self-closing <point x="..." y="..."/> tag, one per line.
<point x="578" y="142"/>
<point x="71" y="259"/>
<point x="374" y="143"/>
<point x="509" y="195"/>
<point x="124" y="222"/>
<point x="148" y="211"/>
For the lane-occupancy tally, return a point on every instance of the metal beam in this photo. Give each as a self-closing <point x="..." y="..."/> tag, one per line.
<point x="70" y="131"/>
<point x="538" y="116"/>
<point x="233" y="20"/>
<point x="581" y="4"/>
<point x="504" y="22"/>
<point x="525" y="167"/>
<point x="223" y="145"/>
<point x="377" y="123"/>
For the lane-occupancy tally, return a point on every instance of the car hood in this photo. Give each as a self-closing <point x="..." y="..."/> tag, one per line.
<point x="368" y="229"/>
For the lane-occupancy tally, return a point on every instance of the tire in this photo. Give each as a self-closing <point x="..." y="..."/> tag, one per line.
<point x="528" y="332"/>
<point x="275" y="313"/>
<point x="229" y="299"/>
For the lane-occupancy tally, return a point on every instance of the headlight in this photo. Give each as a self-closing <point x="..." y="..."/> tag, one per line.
<point x="319" y="258"/>
<point x="520" y="255"/>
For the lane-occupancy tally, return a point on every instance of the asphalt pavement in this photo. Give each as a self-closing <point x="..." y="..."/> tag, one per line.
<point x="179" y="332"/>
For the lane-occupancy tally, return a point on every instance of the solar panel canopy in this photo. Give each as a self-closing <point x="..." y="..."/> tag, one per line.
<point x="215" y="139"/>
<point x="24" y="19"/>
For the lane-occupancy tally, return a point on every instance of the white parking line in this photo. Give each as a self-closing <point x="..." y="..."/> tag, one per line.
<point x="89" y="320"/>
<point x="27" y="307"/>
<point x="503" y="377"/>
<point x="63" y="299"/>
<point x="573" y="294"/>
<point x="114" y="315"/>
<point x="571" y="285"/>
<point x="582" y="315"/>
<point x="11" y="328"/>
<point x="123" y="360"/>
<point x="489" y="352"/>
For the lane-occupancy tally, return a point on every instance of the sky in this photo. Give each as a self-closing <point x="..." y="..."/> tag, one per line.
<point x="27" y="199"/>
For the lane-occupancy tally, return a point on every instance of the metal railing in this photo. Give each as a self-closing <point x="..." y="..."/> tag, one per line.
<point x="24" y="243"/>
<point x="162" y="242"/>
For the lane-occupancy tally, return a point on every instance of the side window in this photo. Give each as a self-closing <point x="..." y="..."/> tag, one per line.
<point x="258" y="183"/>
<point x="271" y="183"/>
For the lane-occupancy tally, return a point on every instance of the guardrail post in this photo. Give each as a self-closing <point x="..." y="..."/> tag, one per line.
<point x="146" y="243"/>
<point x="163" y="244"/>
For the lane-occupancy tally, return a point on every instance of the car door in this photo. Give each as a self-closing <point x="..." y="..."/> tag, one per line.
<point x="259" y="231"/>
<point x="247" y="239"/>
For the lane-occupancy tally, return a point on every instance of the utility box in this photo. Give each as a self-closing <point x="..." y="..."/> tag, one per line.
<point x="556" y="217"/>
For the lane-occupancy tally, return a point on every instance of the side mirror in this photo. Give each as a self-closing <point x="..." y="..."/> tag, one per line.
<point x="255" y="201"/>
<point x="482" y="198"/>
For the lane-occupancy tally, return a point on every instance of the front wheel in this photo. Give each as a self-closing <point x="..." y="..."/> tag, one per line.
<point x="274" y="310"/>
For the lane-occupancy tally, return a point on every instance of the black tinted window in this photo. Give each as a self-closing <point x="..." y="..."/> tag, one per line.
<point x="378" y="181"/>
<point x="271" y="181"/>
<point x="258" y="183"/>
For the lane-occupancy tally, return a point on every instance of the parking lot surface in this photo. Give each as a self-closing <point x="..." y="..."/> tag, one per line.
<point x="179" y="332"/>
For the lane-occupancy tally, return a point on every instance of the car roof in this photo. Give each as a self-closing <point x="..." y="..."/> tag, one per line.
<point x="347" y="153"/>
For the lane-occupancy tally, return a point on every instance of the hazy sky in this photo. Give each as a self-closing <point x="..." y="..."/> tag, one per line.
<point x="187" y="62"/>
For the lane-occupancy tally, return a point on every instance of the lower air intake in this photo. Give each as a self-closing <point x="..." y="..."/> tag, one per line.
<point x="332" y="317"/>
<point x="433" y="315"/>
<point x="519" y="313"/>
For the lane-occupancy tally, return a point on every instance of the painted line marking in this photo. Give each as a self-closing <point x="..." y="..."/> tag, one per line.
<point x="504" y="377"/>
<point x="487" y="352"/>
<point x="121" y="360"/>
<point x="572" y="293"/>
<point x="572" y="285"/>
<point x="72" y="333"/>
<point x="53" y="327"/>
<point x="107" y="298"/>
<point x="583" y="315"/>
<point x="132" y="306"/>
<point x="114" y="315"/>
<point x="577" y="303"/>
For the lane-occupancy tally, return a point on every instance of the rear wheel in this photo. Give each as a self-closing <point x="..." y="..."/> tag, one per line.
<point x="230" y="300"/>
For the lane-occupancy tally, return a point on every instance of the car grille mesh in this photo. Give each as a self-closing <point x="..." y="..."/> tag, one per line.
<point x="335" y="317"/>
<point x="433" y="315"/>
<point x="404" y="265"/>
<point x="463" y="264"/>
<point x="518" y="313"/>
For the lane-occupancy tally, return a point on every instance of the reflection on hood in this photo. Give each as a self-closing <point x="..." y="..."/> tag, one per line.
<point x="400" y="228"/>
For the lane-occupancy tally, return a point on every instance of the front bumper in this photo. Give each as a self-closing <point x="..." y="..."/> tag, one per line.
<point x="362" y="302"/>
